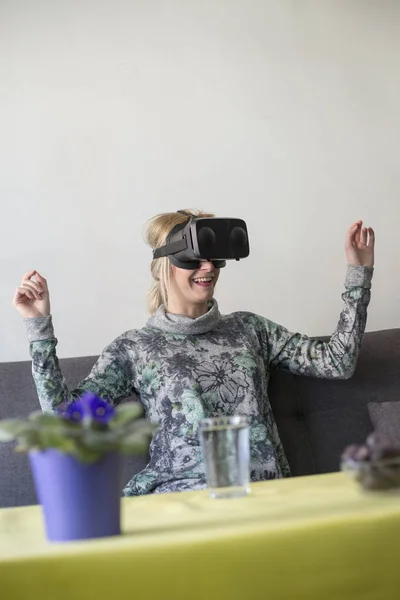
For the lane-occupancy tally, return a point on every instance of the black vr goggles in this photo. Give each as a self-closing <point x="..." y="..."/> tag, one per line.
<point x="205" y="238"/>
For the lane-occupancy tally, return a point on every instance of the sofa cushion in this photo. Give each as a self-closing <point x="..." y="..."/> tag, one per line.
<point x="385" y="417"/>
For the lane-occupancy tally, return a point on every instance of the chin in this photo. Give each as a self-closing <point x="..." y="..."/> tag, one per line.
<point x="205" y="296"/>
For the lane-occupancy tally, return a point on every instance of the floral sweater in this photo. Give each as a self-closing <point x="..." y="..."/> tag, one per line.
<point x="184" y="369"/>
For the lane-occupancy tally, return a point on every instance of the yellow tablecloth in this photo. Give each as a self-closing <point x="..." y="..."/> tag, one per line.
<point x="318" y="537"/>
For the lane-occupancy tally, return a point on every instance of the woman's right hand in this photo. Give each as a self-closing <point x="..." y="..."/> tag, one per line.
<point x="32" y="297"/>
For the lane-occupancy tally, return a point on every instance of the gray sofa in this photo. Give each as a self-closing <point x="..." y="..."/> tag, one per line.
<point x="316" y="418"/>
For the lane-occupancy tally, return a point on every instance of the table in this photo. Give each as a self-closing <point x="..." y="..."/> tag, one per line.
<point x="316" y="537"/>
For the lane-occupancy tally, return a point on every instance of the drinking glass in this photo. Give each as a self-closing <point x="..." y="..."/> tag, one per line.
<point x="226" y="454"/>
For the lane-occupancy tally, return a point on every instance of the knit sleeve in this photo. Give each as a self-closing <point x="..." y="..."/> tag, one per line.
<point x="336" y="358"/>
<point x="108" y="378"/>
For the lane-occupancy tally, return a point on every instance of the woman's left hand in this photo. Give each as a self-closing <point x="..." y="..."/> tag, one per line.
<point x="360" y="244"/>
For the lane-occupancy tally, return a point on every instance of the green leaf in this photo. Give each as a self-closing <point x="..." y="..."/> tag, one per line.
<point x="137" y="425"/>
<point x="86" y="455"/>
<point x="142" y="426"/>
<point x="134" y="445"/>
<point x="11" y="429"/>
<point x="6" y="436"/>
<point x="126" y="414"/>
<point x="36" y="415"/>
<point x="54" y="438"/>
<point x="46" y="419"/>
<point x="100" y="440"/>
<point x="28" y="441"/>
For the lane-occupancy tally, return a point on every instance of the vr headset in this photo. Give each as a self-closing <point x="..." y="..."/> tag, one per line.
<point x="205" y="238"/>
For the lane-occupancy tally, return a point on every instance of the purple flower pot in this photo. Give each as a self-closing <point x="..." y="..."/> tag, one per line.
<point x="79" y="500"/>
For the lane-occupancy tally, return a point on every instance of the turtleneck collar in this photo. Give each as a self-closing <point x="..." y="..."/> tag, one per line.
<point x="172" y="323"/>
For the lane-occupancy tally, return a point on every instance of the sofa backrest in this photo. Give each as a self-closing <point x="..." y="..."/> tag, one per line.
<point x="316" y="418"/>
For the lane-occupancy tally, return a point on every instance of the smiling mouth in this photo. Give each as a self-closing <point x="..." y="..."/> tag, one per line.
<point x="204" y="281"/>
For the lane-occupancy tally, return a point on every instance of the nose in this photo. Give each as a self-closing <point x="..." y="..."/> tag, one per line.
<point x="206" y="265"/>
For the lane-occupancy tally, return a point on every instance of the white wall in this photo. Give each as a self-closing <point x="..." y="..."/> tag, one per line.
<point x="283" y="112"/>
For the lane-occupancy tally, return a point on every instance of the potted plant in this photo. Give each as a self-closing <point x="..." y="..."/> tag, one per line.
<point x="76" y="459"/>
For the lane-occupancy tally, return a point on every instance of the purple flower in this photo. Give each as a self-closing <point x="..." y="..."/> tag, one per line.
<point x="97" y="409"/>
<point x="89" y="407"/>
<point x="74" y="412"/>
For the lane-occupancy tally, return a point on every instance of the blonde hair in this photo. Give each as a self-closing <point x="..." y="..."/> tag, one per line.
<point x="156" y="235"/>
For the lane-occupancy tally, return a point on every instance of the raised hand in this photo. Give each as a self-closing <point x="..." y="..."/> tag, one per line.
<point x="360" y="244"/>
<point x="32" y="297"/>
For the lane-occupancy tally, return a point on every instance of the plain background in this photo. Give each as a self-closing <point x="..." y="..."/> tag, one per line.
<point x="282" y="112"/>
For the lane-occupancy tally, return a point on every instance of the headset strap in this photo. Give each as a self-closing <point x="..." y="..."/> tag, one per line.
<point x="172" y="248"/>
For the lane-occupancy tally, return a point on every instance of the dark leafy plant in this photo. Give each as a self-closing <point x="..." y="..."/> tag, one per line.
<point x="86" y="429"/>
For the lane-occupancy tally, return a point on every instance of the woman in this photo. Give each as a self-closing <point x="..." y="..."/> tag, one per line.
<point x="189" y="362"/>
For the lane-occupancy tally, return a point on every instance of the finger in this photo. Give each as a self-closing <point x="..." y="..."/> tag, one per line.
<point x="356" y="223"/>
<point x="364" y="235"/>
<point x="358" y="232"/>
<point x="351" y="233"/>
<point x="32" y="284"/>
<point x="41" y="279"/>
<point x="28" y="275"/>
<point x="371" y="238"/>
<point x="24" y="293"/>
<point x="29" y="285"/>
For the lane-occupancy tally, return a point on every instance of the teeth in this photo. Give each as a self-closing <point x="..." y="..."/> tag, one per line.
<point x="202" y="279"/>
